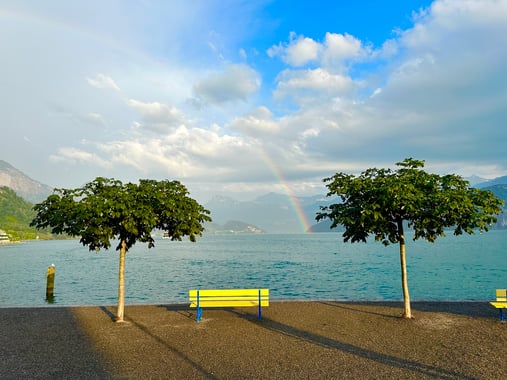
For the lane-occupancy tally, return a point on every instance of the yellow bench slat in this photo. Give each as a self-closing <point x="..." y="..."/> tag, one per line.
<point x="501" y="302"/>
<point x="206" y="303"/>
<point x="228" y="292"/>
<point x="229" y="297"/>
<point x="501" y="295"/>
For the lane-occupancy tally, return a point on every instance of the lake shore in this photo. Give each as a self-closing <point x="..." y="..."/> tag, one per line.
<point x="450" y="340"/>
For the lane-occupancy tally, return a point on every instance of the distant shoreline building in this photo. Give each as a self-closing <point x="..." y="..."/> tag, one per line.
<point x="4" y="238"/>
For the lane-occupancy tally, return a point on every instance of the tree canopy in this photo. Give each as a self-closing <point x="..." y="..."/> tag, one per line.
<point x="380" y="201"/>
<point x="106" y="209"/>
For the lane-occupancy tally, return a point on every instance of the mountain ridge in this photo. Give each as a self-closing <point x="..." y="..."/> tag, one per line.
<point x="492" y="182"/>
<point x="269" y="213"/>
<point x="26" y="187"/>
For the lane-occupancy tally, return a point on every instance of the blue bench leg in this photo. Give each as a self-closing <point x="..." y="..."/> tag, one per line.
<point x="198" y="315"/>
<point x="259" y="314"/>
<point x="502" y="316"/>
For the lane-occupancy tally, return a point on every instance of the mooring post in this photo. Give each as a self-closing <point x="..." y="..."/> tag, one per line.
<point x="50" y="283"/>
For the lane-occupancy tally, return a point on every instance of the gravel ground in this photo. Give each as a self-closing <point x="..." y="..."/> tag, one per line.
<point x="295" y="340"/>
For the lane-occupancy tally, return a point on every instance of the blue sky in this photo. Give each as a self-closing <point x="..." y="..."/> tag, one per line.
<point x="242" y="98"/>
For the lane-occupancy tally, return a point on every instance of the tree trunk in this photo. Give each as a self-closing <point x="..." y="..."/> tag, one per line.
<point x="407" y="313"/>
<point x="121" y="283"/>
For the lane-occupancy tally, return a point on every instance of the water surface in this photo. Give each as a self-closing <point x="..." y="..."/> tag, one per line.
<point x="294" y="266"/>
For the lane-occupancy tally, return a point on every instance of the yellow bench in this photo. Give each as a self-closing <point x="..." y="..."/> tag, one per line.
<point x="501" y="302"/>
<point x="200" y="298"/>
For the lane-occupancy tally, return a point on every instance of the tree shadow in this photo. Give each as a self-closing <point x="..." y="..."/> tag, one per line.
<point x="172" y="349"/>
<point x="350" y="306"/>
<point x="323" y="341"/>
<point x="108" y="312"/>
<point x="465" y="308"/>
<point x="181" y="309"/>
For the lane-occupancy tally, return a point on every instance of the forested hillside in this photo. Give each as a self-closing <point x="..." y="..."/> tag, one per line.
<point x="16" y="215"/>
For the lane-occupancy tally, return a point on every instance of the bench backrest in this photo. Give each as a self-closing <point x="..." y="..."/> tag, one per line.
<point x="501" y="295"/>
<point x="228" y="297"/>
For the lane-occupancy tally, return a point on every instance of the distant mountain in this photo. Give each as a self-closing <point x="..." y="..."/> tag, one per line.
<point x="500" y="192"/>
<point x="474" y="180"/>
<point x="232" y="227"/>
<point x="325" y="226"/>
<point x="492" y="182"/>
<point x="23" y="185"/>
<point x="273" y="213"/>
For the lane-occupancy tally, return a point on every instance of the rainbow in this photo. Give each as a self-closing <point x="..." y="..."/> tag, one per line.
<point x="303" y="220"/>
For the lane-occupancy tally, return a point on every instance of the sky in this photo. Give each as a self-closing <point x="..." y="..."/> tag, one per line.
<point x="246" y="97"/>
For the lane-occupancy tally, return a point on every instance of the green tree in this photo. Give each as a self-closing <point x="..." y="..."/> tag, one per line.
<point x="107" y="209"/>
<point x="382" y="201"/>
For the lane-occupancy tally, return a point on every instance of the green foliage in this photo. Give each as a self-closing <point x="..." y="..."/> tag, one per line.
<point x="379" y="200"/>
<point x="14" y="207"/>
<point x="107" y="209"/>
<point x="15" y="216"/>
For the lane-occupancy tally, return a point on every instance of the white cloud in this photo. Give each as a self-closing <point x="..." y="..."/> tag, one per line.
<point x="327" y="103"/>
<point x="183" y="153"/>
<point x="79" y="156"/>
<point x="298" y="52"/>
<point x="103" y="81"/>
<point x="339" y="48"/>
<point x="310" y="86"/>
<point x="458" y="25"/>
<point x="95" y="118"/>
<point x="311" y="132"/>
<point x="155" y="111"/>
<point x="235" y="82"/>
<point x="259" y="123"/>
<point x="333" y="53"/>
<point x="452" y="69"/>
<point x="156" y="116"/>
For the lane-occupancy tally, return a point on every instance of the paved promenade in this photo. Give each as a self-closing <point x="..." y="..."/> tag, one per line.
<point x="295" y="340"/>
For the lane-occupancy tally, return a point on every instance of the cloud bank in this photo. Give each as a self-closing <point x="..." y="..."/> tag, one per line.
<point x="201" y="101"/>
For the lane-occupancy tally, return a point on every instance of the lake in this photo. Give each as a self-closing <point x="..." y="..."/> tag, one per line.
<point x="315" y="266"/>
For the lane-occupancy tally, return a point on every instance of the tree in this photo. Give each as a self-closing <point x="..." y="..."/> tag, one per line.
<point x="107" y="209"/>
<point x="382" y="201"/>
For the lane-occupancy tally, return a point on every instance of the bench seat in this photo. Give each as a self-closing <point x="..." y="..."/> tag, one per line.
<point x="200" y="298"/>
<point x="501" y="302"/>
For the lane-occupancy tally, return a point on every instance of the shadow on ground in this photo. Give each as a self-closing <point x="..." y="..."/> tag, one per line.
<point x="34" y="347"/>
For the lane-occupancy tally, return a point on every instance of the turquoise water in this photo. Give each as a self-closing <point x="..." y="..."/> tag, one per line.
<point x="295" y="266"/>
